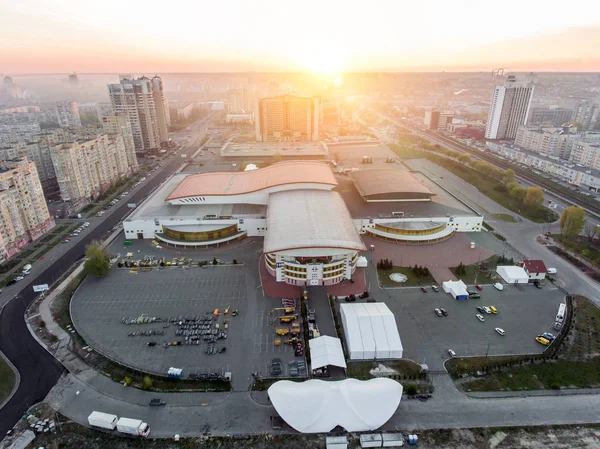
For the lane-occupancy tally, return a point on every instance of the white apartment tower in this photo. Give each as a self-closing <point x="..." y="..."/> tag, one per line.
<point x="67" y="113"/>
<point x="118" y="124"/>
<point x="24" y="215"/>
<point x="138" y="99"/>
<point x="509" y="109"/>
<point x="240" y="100"/>
<point x="287" y="118"/>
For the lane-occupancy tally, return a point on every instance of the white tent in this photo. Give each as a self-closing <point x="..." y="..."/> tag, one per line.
<point x="317" y="406"/>
<point x="362" y="262"/>
<point x="371" y="331"/>
<point x="512" y="274"/>
<point x="457" y="289"/>
<point x="325" y="351"/>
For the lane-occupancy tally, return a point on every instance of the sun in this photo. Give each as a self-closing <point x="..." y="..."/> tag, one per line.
<point x="324" y="60"/>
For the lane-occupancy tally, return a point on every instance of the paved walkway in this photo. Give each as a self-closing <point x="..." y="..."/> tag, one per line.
<point x="442" y="274"/>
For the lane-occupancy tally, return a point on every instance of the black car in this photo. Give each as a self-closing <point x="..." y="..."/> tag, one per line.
<point x="471" y="292"/>
<point x="480" y="309"/>
<point x="444" y="312"/>
<point x="156" y="402"/>
<point x="537" y="284"/>
<point x="276" y="367"/>
<point x="11" y="282"/>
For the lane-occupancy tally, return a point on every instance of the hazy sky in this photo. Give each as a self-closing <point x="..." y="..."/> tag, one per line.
<point x="305" y="35"/>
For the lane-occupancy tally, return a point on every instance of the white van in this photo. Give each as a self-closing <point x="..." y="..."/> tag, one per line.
<point x="27" y="269"/>
<point x="551" y="271"/>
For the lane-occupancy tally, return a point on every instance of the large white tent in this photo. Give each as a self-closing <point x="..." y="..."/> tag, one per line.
<point x="371" y="331"/>
<point x="457" y="289"/>
<point x="317" y="406"/>
<point x="325" y="351"/>
<point x="513" y="274"/>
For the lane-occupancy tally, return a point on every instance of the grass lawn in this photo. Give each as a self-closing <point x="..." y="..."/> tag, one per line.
<point x="475" y="275"/>
<point x="7" y="380"/>
<point x="577" y="364"/>
<point x="505" y="217"/>
<point x="412" y="280"/>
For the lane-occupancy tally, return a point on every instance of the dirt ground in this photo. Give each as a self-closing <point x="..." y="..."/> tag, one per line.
<point x="76" y="437"/>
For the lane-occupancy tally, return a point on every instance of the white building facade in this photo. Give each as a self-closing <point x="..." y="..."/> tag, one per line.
<point x="508" y="110"/>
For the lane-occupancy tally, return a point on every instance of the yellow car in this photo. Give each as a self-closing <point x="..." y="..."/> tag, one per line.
<point x="494" y="310"/>
<point x="542" y="340"/>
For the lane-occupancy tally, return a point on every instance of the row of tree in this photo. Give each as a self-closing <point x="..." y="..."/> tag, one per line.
<point x="572" y="222"/>
<point x="461" y="269"/>
<point x="385" y="264"/>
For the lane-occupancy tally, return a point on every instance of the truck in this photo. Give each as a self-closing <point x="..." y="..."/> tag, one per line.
<point x="103" y="420"/>
<point x="133" y="427"/>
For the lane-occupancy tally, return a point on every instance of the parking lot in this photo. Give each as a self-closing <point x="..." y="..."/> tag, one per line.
<point x="523" y="313"/>
<point x="173" y="294"/>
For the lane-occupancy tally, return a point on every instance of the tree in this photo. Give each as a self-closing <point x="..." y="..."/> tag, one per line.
<point x="534" y="196"/>
<point x="577" y="125"/>
<point x="464" y="158"/>
<point x="452" y="153"/>
<point x="147" y="385"/>
<point x="277" y="157"/>
<point x="572" y="221"/>
<point x="518" y="193"/>
<point x="590" y="230"/>
<point x="97" y="261"/>
<point x="508" y="176"/>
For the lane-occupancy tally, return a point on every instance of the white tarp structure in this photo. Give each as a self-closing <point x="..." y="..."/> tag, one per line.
<point x="317" y="406"/>
<point x="362" y="262"/>
<point x="325" y="351"/>
<point x="457" y="289"/>
<point x="371" y="331"/>
<point x="513" y="274"/>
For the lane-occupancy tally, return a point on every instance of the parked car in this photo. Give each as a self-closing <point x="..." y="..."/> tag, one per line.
<point x="66" y="240"/>
<point x="19" y="278"/>
<point x="480" y="317"/>
<point x="293" y="370"/>
<point x="156" y="402"/>
<point x="438" y="312"/>
<point x="471" y="292"/>
<point x="424" y="289"/>
<point x="500" y="331"/>
<point x="435" y="288"/>
<point x="537" y="284"/>
<point x="444" y="312"/>
<point x="475" y="296"/>
<point x="480" y="309"/>
<point x="548" y="336"/>
<point x="542" y="340"/>
<point x="276" y="369"/>
<point x="479" y="287"/>
<point x="487" y="310"/>
<point x="451" y="352"/>
<point x="498" y="286"/>
<point x="494" y="310"/>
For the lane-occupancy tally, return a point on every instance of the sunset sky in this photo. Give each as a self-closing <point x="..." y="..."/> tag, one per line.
<point x="41" y="36"/>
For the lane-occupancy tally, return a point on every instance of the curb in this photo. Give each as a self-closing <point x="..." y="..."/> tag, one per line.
<point x="17" y="375"/>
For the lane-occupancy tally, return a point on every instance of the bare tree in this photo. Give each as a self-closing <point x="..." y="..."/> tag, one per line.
<point x="590" y="230"/>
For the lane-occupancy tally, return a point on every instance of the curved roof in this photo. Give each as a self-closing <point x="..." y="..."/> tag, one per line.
<point x="309" y="219"/>
<point x="326" y="350"/>
<point x="236" y="183"/>
<point x="388" y="181"/>
<point x="317" y="406"/>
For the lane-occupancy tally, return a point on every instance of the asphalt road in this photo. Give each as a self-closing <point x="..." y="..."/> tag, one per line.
<point x="38" y="369"/>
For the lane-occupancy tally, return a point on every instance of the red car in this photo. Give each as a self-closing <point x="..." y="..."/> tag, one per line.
<point x="479" y="287"/>
<point x="424" y="290"/>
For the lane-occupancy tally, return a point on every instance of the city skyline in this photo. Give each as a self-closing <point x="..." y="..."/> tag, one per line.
<point x="336" y="37"/>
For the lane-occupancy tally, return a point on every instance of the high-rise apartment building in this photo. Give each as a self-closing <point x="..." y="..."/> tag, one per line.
<point x="240" y="100"/>
<point x="588" y="114"/>
<point x="138" y="99"/>
<point x="548" y="141"/>
<point x="85" y="169"/>
<point x="118" y="124"/>
<point x="438" y="120"/>
<point x="287" y="118"/>
<point x="24" y="215"/>
<point x="67" y="113"/>
<point x="586" y="154"/>
<point x="552" y="117"/>
<point x="509" y="109"/>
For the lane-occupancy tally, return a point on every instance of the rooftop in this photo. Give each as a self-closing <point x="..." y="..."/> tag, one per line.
<point x="309" y="219"/>
<point x="535" y="266"/>
<point x="237" y="183"/>
<point x="233" y="149"/>
<point x="389" y="181"/>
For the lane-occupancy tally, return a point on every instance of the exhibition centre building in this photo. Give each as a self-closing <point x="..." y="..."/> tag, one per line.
<point x="311" y="219"/>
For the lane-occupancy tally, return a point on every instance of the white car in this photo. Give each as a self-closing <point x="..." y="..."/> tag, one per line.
<point x="498" y="286"/>
<point x="480" y="317"/>
<point x="451" y="352"/>
<point x="19" y="278"/>
<point x="487" y="310"/>
<point x="500" y="331"/>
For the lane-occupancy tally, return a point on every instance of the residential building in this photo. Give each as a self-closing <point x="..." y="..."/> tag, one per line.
<point x="588" y="114"/>
<point x="182" y="111"/>
<point x="138" y="99"/>
<point x="84" y="169"/>
<point x="287" y="118"/>
<point x="240" y="101"/>
<point x="553" y="117"/>
<point x="550" y="141"/>
<point x="586" y="154"/>
<point x="240" y="117"/>
<point x="536" y="269"/>
<point x="118" y="124"/>
<point x="438" y="120"/>
<point x="24" y="216"/>
<point x="67" y="113"/>
<point x="509" y="109"/>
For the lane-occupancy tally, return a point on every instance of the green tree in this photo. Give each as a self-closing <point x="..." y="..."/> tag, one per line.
<point x="577" y="125"/>
<point x="464" y="158"/>
<point x="147" y="385"/>
<point x="518" y="193"/>
<point x="534" y="196"/>
<point x="277" y="157"/>
<point x="452" y="153"/>
<point x="508" y="176"/>
<point x="511" y="185"/>
<point x="572" y="221"/>
<point x="97" y="261"/>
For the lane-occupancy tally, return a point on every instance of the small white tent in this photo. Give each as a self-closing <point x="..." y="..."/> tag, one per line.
<point x="512" y="274"/>
<point x="457" y="289"/>
<point x="325" y="351"/>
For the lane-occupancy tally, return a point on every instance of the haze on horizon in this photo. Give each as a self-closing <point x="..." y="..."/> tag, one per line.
<point x="314" y="36"/>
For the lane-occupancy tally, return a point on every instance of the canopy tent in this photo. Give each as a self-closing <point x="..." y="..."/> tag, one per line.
<point x="317" y="406"/>
<point x="457" y="289"/>
<point x="325" y="351"/>
<point x="371" y="331"/>
<point x="513" y="274"/>
<point x="362" y="262"/>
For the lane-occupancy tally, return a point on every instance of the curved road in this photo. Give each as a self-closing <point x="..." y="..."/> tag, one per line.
<point x="38" y="369"/>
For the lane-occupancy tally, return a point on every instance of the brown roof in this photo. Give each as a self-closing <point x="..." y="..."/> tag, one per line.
<point x="236" y="183"/>
<point x="386" y="181"/>
<point x="535" y="266"/>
